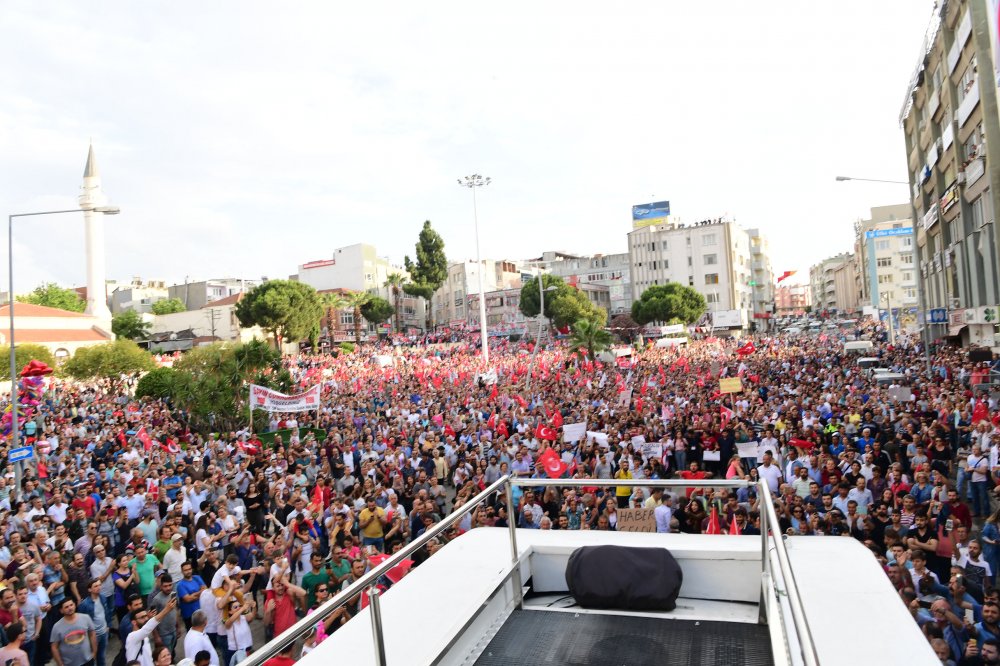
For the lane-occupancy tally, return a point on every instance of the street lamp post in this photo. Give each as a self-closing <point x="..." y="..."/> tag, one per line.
<point x="15" y="426"/>
<point x="474" y="182"/>
<point x="888" y="311"/>
<point x="921" y="301"/>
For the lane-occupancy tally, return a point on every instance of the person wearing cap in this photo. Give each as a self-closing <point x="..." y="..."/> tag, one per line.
<point x="175" y="556"/>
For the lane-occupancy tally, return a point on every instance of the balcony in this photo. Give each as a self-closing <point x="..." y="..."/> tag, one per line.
<point x="968" y="104"/>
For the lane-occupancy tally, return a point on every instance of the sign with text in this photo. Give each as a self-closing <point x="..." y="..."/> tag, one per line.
<point x="574" y="432"/>
<point x="746" y="449"/>
<point x="22" y="453"/>
<point x="268" y="400"/>
<point x="652" y="450"/>
<point x="636" y="520"/>
<point x="730" y="385"/>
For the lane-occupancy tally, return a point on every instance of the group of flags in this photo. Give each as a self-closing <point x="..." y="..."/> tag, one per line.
<point x="715" y="524"/>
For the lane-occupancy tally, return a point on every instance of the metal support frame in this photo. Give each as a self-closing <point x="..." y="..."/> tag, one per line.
<point x="366" y="583"/>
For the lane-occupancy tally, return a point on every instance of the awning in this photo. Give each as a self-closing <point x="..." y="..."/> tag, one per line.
<point x="955" y="329"/>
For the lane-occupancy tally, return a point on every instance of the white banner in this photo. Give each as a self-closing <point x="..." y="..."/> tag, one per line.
<point x="574" y="432"/>
<point x="264" y="398"/>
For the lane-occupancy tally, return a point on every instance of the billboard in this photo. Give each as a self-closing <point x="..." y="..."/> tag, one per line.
<point x="651" y="213"/>
<point x="728" y="319"/>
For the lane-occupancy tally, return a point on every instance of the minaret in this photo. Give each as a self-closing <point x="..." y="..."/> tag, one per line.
<point x="91" y="197"/>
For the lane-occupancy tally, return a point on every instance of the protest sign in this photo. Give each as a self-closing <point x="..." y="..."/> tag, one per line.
<point x="730" y="385"/>
<point x="711" y="456"/>
<point x="264" y="398"/>
<point x="747" y="449"/>
<point x="574" y="432"/>
<point x="600" y="437"/>
<point x="636" y="520"/>
<point x="652" y="450"/>
<point x="638" y="441"/>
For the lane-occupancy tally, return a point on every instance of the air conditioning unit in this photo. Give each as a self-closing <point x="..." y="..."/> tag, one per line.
<point x="953" y="303"/>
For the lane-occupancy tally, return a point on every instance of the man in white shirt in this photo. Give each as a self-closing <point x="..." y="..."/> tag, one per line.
<point x="175" y="557"/>
<point x="770" y="473"/>
<point x="137" y="643"/>
<point x="195" y="640"/>
<point x="663" y="513"/>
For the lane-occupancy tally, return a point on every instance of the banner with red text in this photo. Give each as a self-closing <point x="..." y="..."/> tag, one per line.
<point x="269" y="400"/>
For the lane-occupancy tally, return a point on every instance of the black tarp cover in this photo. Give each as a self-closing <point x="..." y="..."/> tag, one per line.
<point x="647" y="579"/>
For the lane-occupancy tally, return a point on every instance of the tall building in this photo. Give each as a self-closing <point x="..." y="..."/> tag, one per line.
<point x="762" y="279"/>
<point x="602" y="270"/>
<point x="713" y="257"/>
<point x="883" y="248"/>
<point x="823" y="282"/>
<point x="950" y="122"/>
<point x="846" y="286"/>
<point x="137" y="295"/>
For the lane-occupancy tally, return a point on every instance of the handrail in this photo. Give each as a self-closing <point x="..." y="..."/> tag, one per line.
<point x="804" y="635"/>
<point x="768" y="518"/>
<point x="303" y="626"/>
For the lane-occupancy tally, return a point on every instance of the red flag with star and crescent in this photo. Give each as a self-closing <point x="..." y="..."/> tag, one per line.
<point x="746" y="349"/>
<point x="552" y="464"/>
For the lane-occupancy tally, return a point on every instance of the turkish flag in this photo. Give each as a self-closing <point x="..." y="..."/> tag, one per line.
<point x="557" y="419"/>
<point x="493" y="393"/>
<point x="143" y="436"/>
<point x="713" y="526"/>
<point x="800" y="443"/>
<point x="786" y="275"/>
<point x="521" y="401"/>
<point x="746" y="349"/>
<point x="448" y="430"/>
<point x="492" y="422"/>
<point x="725" y="415"/>
<point x="552" y="464"/>
<point x="734" y="527"/>
<point x="170" y="446"/>
<point x="502" y="429"/>
<point x="981" y="412"/>
<point x="544" y="432"/>
<point x="396" y="573"/>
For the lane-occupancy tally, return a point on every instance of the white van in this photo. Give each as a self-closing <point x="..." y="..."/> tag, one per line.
<point x="858" y="346"/>
<point x="867" y="362"/>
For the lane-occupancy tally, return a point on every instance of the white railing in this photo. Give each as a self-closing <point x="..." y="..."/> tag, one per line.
<point x="783" y="588"/>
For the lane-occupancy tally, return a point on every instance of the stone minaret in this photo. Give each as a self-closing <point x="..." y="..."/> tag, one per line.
<point x="90" y="197"/>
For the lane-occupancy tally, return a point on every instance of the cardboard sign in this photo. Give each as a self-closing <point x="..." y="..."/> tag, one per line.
<point x="711" y="456"/>
<point x="574" y="432"/>
<point x="731" y="385"/>
<point x="652" y="450"/>
<point x="747" y="449"/>
<point x="600" y="437"/>
<point x="638" y="441"/>
<point x="636" y="520"/>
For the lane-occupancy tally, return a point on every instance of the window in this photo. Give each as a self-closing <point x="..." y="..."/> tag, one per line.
<point x="977" y="213"/>
<point x="883" y="262"/>
<point x="711" y="259"/>
<point x="347" y="317"/>
<point x="711" y="297"/>
<point x="881" y="245"/>
<point x="652" y="247"/>
<point x="907" y="277"/>
<point x="968" y="80"/>
<point x="708" y="239"/>
<point x="663" y="246"/>
<point x="910" y="292"/>
<point x="906" y="259"/>
<point x="885" y="279"/>
<point x="689" y="241"/>
<point x="955" y="229"/>
<point x="690" y="262"/>
<point x="690" y="280"/>
<point x="907" y="241"/>
<point x="711" y="278"/>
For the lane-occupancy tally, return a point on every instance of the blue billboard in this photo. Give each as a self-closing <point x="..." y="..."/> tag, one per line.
<point x="651" y="211"/>
<point x="882" y="233"/>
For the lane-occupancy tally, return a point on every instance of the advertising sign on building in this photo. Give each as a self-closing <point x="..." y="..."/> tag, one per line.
<point x="319" y="264"/>
<point x="644" y="215"/>
<point x="930" y="217"/>
<point x="727" y="319"/>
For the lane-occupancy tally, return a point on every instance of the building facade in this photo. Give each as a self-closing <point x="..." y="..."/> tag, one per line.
<point x="883" y="249"/>
<point x="603" y="270"/>
<point x="712" y="257"/>
<point x="846" y="286"/>
<point x="762" y="279"/>
<point x="823" y="283"/>
<point x="792" y="299"/>
<point x="196" y="295"/>
<point x="950" y="121"/>
<point x="137" y="295"/>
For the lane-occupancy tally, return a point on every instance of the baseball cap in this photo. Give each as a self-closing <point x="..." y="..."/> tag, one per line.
<point x="177" y="537"/>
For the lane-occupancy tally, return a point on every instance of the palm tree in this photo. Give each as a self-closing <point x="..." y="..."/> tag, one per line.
<point x="354" y="301"/>
<point x="590" y="338"/>
<point x="395" y="282"/>
<point x="332" y="304"/>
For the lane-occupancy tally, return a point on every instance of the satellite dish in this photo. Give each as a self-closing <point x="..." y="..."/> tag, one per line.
<point x="173" y="336"/>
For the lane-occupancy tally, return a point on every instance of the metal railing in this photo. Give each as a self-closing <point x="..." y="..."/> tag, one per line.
<point x="366" y="584"/>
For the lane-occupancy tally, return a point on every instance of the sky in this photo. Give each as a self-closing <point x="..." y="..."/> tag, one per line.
<point x="242" y="139"/>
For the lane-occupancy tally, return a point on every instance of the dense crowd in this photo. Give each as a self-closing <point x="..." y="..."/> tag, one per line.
<point x="185" y="543"/>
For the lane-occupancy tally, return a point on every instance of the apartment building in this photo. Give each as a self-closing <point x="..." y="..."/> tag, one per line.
<point x="358" y="267"/>
<point x="452" y="303"/>
<point x="137" y="294"/>
<point x="712" y="256"/>
<point x="792" y="299"/>
<point x="845" y="286"/>
<point x="952" y="132"/>
<point x="196" y="295"/>
<point x="611" y="271"/>
<point x="823" y="282"/>
<point x="762" y="278"/>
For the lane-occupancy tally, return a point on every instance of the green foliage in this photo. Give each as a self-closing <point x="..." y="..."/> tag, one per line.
<point x="23" y="355"/>
<point x="168" y="306"/>
<point x="671" y="302"/>
<point x="110" y="360"/>
<point x="377" y="310"/>
<point x="430" y="270"/>
<point x="396" y="282"/>
<point x="213" y="381"/>
<point x="355" y="301"/>
<point x="590" y="338"/>
<point x="572" y="305"/>
<point x="283" y="308"/>
<point x="158" y="383"/>
<point x="129" y="325"/>
<point x="531" y="300"/>
<point x="53" y="296"/>
<point x="347" y="347"/>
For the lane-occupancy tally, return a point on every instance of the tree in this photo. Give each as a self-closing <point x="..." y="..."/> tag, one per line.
<point x="430" y="270"/>
<point x="530" y="300"/>
<point x="355" y="301"/>
<point x="168" y="306"/>
<point x="669" y="303"/>
<point x="395" y="283"/>
<point x="212" y="382"/>
<point x="129" y="325"/>
<point x="590" y="338"/>
<point x="111" y="360"/>
<point x="625" y="327"/>
<point x="158" y="383"/>
<point x="570" y="305"/>
<point x="285" y="309"/>
<point x="377" y="310"/>
<point x="23" y="355"/>
<point x="53" y="296"/>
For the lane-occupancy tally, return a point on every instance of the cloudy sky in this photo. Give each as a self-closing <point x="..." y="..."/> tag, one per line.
<point x="245" y="138"/>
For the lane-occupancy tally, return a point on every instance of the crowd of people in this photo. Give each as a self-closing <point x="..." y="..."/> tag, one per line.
<point x="180" y="543"/>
